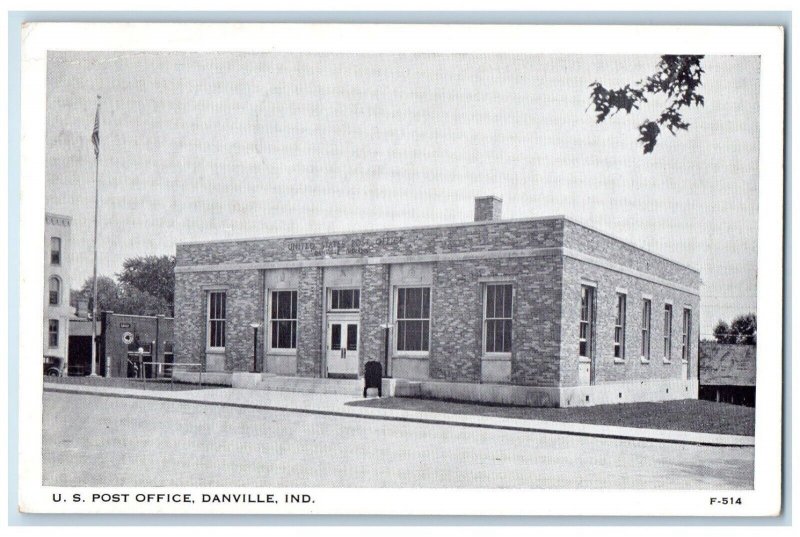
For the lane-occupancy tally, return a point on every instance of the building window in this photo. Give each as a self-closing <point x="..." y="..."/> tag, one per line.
<point x="283" y="319"/>
<point x="52" y="333"/>
<point x="55" y="291"/>
<point x="497" y="318"/>
<point x="413" y="319"/>
<point x="344" y="299"/>
<point x="55" y="251"/>
<point x="686" y="336"/>
<point x="667" y="332"/>
<point x="646" y="304"/>
<point x="619" y="326"/>
<point x="216" y="319"/>
<point x="587" y="322"/>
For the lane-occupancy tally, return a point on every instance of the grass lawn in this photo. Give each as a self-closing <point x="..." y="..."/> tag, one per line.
<point x="113" y="382"/>
<point x="687" y="415"/>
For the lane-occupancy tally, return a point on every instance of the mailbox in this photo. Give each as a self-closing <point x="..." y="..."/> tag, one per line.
<point x="373" y="376"/>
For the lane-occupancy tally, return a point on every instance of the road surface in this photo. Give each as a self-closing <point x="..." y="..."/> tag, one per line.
<point x="91" y="440"/>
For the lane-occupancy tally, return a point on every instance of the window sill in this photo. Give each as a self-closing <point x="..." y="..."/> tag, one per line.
<point x="215" y="350"/>
<point x="644" y="360"/>
<point x="666" y="361"/>
<point x="685" y="362"/>
<point x="619" y="360"/>
<point x="496" y="356"/>
<point x="425" y="356"/>
<point x="281" y="352"/>
<point x="584" y="360"/>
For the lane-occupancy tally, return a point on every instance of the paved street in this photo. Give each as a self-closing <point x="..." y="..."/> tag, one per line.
<point x="90" y="440"/>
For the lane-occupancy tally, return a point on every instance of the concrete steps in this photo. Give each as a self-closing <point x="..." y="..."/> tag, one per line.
<point x="268" y="381"/>
<point x="300" y="384"/>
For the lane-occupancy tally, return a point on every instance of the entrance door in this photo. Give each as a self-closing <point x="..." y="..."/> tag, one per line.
<point x="342" y="352"/>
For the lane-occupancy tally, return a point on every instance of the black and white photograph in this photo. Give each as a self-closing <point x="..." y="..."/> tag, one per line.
<point x="346" y="268"/>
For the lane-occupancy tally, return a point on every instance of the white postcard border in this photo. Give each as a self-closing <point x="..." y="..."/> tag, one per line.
<point x="766" y="42"/>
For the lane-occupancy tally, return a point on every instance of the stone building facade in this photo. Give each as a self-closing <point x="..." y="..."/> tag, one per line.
<point x="57" y="310"/>
<point x="540" y="311"/>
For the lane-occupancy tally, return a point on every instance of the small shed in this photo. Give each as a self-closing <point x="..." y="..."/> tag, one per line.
<point x="728" y="373"/>
<point x="124" y="334"/>
<point x="118" y="336"/>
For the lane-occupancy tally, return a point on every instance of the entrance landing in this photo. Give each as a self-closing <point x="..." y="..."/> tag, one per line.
<point x="298" y="384"/>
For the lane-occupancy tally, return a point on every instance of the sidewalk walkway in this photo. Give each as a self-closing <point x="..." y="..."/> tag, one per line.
<point x="336" y="405"/>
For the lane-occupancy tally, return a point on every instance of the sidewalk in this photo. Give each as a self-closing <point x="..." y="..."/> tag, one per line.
<point x="336" y="405"/>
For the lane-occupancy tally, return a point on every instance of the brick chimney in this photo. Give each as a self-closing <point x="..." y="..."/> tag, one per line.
<point x="83" y="308"/>
<point x="488" y="208"/>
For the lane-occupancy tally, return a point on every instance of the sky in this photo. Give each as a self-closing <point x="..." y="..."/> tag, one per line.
<point x="206" y="146"/>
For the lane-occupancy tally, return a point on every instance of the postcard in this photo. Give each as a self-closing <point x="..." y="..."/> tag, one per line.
<point x="401" y="269"/>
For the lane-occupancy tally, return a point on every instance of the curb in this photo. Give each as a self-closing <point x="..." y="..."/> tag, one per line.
<point x="430" y="421"/>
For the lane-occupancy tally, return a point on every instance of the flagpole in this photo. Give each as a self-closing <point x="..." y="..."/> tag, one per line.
<point x="94" y="269"/>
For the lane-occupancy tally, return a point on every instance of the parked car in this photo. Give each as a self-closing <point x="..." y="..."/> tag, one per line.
<point x="53" y="366"/>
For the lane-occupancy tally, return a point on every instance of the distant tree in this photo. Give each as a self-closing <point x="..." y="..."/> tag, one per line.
<point x="134" y="301"/>
<point x="744" y="326"/>
<point x="153" y="275"/>
<point x="741" y="331"/>
<point x="108" y="294"/>
<point x="722" y="332"/>
<point x="74" y="295"/>
<point x="122" y="298"/>
<point x="677" y="77"/>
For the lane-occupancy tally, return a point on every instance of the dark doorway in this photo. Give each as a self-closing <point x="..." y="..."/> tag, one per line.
<point x="80" y="355"/>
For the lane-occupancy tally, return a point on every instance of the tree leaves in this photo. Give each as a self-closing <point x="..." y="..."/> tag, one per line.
<point x="122" y="298"/>
<point x="649" y="131"/>
<point x="151" y="274"/>
<point x="146" y="286"/>
<point x="677" y="77"/>
<point x="742" y="331"/>
<point x="612" y="101"/>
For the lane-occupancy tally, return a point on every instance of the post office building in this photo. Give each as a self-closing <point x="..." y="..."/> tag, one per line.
<point x="537" y="311"/>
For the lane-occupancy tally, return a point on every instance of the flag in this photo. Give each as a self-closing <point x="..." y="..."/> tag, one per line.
<point x="96" y="131"/>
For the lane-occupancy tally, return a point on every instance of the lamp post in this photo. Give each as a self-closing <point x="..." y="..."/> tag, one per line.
<point x="386" y="329"/>
<point x="255" y="327"/>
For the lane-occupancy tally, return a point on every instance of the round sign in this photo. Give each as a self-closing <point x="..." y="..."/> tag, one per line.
<point x="127" y="338"/>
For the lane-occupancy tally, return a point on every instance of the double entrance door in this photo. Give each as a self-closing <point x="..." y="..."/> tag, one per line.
<point x="342" y="346"/>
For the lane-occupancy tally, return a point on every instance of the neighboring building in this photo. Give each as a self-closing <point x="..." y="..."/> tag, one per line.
<point x="728" y="373"/>
<point x="539" y="311"/>
<point x="57" y="310"/>
<point x="118" y="336"/>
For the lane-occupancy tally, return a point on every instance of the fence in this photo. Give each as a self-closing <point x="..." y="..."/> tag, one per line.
<point x="144" y="369"/>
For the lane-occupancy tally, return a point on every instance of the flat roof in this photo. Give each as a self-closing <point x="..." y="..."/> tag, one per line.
<point x="441" y="226"/>
<point x="379" y="230"/>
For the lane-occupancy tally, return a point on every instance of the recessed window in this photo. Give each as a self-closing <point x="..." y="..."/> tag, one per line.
<point x="217" y="305"/>
<point x="686" y="336"/>
<point x="413" y="319"/>
<point x="646" y="308"/>
<point x="667" y="332"/>
<point x="586" y="326"/>
<point x="283" y="320"/>
<point x="55" y="251"/>
<point x="345" y="299"/>
<point x="55" y="291"/>
<point x="497" y="318"/>
<point x="52" y="333"/>
<point x="619" y="326"/>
